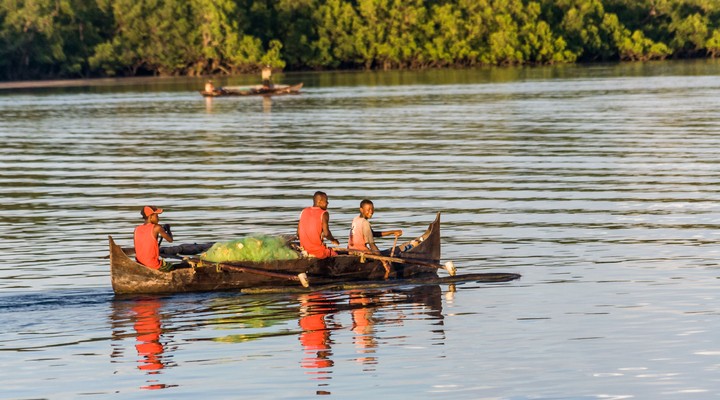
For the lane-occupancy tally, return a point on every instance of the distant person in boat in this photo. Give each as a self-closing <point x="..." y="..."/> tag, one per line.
<point x="209" y="87"/>
<point x="266" y="74"/>
<point x="314" y="228"/>
<point x="147" y="245"/>
<point x="361" y="233"/>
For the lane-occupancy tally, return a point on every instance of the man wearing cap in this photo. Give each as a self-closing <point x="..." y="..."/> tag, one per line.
<point x="147" y="248"/>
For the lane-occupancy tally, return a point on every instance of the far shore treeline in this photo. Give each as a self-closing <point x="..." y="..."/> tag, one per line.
<point x="43" y="39"/>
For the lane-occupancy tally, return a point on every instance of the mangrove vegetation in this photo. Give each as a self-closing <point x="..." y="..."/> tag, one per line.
<point x="42" y="39"/>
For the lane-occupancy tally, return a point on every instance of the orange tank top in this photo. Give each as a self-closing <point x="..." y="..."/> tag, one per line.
<point x="310" y="232"/>
<point x="147" y="250"/>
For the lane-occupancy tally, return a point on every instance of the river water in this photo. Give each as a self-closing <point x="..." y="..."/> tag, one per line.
<point x="599" y="184"/>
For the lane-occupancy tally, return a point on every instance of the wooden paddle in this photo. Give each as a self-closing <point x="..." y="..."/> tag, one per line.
<point x="392" y="252"/>
<point x="301" y="277"/>
<point x="448" y="266"/>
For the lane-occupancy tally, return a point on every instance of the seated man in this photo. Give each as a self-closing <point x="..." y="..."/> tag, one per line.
<point x="147" y="246"/>
<point x="314" y="228"/>
<point x="361" y="233"/>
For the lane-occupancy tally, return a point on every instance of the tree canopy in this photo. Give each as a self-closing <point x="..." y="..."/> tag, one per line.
<point x="93" y="38"/>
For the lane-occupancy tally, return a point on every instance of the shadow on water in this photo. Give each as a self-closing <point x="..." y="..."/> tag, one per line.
<point x="54" y="300"/>
<point x="146" y="329"/>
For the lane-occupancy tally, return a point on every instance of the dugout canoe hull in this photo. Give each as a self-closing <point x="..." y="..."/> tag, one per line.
<point x="254" y="91"/>
<point x="129" y="277"/>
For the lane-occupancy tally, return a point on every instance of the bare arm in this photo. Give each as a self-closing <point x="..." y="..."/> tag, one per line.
<point x="158" y="230"/>
<point x="396" y="232"/>
<point x="326" y="229"/>
<point x="374" y="247"/>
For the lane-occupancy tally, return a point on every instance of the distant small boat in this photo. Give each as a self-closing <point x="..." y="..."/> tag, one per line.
<point x="258" y="90"/>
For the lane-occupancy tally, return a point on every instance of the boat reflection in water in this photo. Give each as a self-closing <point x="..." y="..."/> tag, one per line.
<point x="362" y="318"/>
<point x="144" y="314"/>
<point x="316" y="320"/>
<point x="320" y="315"/>
<point x="330" y="322"/>
<point x="267" y="104"/>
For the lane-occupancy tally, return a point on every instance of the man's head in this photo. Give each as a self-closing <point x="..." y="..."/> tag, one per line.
<point x="367" y="208"/>
<point x="320" y="199"/>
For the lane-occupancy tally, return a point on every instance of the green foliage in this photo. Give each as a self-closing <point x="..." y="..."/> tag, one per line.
<point x="713" y="44"/>
<point x="297" y="31"/>
<point x="691" y="33"/>
<point x="335" y="44"/>
<point x="639" y="48"/>
<point x="272" y="56"/>
<point x="77" y="38"/>
<point x="47" y="38"/>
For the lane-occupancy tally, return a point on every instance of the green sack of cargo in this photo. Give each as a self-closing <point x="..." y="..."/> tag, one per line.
<point x="254" y="248"/>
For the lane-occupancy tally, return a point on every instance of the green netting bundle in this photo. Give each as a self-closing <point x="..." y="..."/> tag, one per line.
<point x="254" y="248"/>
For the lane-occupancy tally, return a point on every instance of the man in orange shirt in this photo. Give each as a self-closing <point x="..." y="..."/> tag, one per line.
<point x="314" y="228"/>
<point x="147" y="247"/>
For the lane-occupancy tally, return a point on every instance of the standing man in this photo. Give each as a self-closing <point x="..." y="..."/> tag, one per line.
<point x="266" y="74"/>
<point x="313" y="228"/>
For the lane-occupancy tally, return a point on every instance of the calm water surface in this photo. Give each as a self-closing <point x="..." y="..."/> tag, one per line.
<point x="600" y="185"/>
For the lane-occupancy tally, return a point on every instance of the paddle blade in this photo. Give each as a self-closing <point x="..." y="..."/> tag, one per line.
<point x="303" y="279"/>
<point x="450" y="268"/>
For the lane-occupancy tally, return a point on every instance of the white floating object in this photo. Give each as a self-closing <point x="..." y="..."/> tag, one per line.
<point x="303" y="279"/>
<point x="450" y="268"/>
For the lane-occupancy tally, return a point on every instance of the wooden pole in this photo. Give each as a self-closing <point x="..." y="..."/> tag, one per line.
<point x="448" y="266"/>
<point x="301" y="277"/>
<point x="392" y="252"/>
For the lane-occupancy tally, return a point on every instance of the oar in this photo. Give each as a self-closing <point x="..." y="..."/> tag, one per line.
<point x="448" y="266"/>
<point x="301" y="277"/>
<point x="392" y="252"/>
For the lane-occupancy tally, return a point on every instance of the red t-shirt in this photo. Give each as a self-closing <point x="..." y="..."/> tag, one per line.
<point x="310" y="232"/>
<point x="147" y="250"/>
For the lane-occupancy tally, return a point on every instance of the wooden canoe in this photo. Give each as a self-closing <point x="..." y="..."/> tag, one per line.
<point x="258" y="90"/>
<point x="129" y="277"/>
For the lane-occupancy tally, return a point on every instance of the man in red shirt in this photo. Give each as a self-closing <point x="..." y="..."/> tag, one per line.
<point x="147" y="247"/>
<point x="314" y="228"/>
